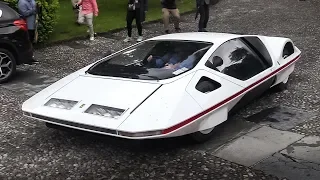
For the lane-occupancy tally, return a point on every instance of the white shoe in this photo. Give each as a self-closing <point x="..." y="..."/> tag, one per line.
<point x="140" y="38"/>
<point x="91" y="38"/>
<point x="127" y="39"/>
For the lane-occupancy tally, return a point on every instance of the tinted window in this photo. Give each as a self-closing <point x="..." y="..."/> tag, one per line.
<point x="7" y="13"/>
<point x="257" y="45"/>
<point x="238" y="60"/>
<point x="153" y="60"/>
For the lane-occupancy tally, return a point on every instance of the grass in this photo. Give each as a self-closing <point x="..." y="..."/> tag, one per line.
<point x="112" y="15"/>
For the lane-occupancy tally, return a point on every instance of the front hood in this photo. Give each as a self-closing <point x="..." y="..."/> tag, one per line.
<point x="88" y="90"/>
<point x="124" y="94"/>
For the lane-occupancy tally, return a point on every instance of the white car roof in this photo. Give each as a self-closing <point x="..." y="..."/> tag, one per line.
<point x="198" y="36"/>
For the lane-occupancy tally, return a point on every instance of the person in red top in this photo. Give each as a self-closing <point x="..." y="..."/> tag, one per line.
<point x="88" y="8"/>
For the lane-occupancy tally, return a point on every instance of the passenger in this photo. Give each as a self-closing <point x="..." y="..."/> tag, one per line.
<point x="190" y="62"/>
<point x="169" y="58"/>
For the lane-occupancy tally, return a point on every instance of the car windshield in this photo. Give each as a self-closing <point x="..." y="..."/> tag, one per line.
<point x="152" y="60"/>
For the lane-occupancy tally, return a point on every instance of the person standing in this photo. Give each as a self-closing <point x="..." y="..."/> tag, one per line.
<point x="75" y="10"/>
<point x="203" y="10"/>
<point x="170" y="7"/>
<point x="28" y="9"/>
<point x="89" y="8"/>
<point x="135" y="10"/>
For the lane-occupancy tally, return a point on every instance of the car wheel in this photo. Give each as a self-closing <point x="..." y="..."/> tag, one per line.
<point x="282" y="86"/>
<point x="7" y="65"/>
<point x="202" y="136"/>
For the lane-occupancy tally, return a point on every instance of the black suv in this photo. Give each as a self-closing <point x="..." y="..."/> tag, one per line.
<point x="15" y="46"/>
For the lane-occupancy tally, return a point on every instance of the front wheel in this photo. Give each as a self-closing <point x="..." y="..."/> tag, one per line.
<point x="202" y="136"/>
<point x="7" y="65"/>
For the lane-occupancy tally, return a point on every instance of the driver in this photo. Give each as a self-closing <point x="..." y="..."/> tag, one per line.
<point x="188" y="63"/>
<point x="169" y="58"/>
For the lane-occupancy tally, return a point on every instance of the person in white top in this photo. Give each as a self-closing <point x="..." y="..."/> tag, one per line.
<point x="75" y="10"/>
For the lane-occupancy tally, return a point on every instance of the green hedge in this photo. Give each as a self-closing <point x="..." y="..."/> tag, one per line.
<point x="48" y="16"/>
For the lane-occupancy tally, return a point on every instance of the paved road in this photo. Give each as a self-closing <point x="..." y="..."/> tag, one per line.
<point x="286" y="122"/>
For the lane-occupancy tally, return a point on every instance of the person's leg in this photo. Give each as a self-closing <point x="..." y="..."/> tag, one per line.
<point x="89" y="21"/>
<point x="176" y="14"/>
<point x="206" y="13"/>
<point x="76" y="15"/>
<point x="138" y="17"/>
<point x="130" y="17"/>
<point x="202" y="18"/>
<point x="31" y="35"/>
<point x="165" y="16"/>
<point x="80" y="17"/>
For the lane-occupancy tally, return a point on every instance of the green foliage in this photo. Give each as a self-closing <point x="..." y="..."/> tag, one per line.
<point x="48" y="16"/>
<point x="12" y="3"/>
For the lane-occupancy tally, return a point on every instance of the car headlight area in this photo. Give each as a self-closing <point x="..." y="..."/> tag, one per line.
<point x="61" y="103"/>
<point x="105" y="111"/>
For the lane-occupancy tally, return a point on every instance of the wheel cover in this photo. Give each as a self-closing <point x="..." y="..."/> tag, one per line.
<point x="285" y="80"/>
<point x="6" y="66"/>
<point x="207" y="131"/>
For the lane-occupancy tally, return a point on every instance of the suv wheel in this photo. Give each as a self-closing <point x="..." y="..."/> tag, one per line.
<point x="7" y="65"/>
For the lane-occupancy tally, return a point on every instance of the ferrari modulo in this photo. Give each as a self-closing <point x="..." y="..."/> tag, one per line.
<point x="166" y="86"/>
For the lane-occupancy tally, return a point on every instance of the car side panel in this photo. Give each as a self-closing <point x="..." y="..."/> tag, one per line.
<point x="283" y="75"/>
<point x="252" y="94"/>
<point x="275" y="46"/>
<point x="219" y="101"/>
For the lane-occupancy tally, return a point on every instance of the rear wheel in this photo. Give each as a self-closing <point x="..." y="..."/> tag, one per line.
<point x="282" y="86"/>
<point x="202" y="136"/>
<point x="7" y="65"/>
<point x="204" y="86"/>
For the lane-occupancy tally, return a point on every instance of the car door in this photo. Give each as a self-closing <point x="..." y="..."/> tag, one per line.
<point x="242" y="65"/>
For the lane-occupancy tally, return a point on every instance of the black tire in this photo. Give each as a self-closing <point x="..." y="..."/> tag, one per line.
<point x="6" y="56"/>
<point x="199" y="137"/>
<point x="281" y="86"/>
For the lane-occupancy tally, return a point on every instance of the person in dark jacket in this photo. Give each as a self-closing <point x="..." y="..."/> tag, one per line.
<point x="170" y="7"/>
<point x="136" y="9"/>
<point x="28" y="9"/>
<point x="203" y="10"/>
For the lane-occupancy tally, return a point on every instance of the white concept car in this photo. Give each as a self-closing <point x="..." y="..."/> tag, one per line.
<point x="166" y="86"/>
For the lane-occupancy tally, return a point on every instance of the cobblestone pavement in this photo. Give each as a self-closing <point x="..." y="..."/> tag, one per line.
<point x="29" y="150"/>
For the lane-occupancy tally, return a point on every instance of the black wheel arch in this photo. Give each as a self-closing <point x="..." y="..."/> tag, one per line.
<point x="288" y="49"/>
